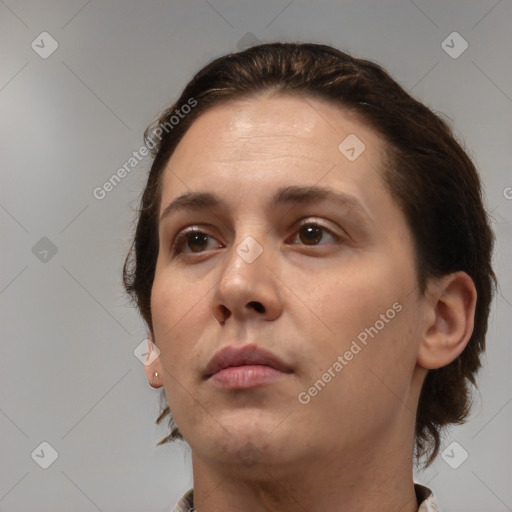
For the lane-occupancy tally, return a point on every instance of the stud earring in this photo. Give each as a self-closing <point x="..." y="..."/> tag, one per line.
<point x="152" y="383"/>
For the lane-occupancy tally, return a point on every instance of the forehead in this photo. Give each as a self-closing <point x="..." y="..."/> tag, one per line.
<point x="270" y="125"/>
<point x="244" y="150"/>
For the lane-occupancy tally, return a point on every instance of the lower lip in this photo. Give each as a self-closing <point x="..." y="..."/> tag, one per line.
<point x="244" y="377"/>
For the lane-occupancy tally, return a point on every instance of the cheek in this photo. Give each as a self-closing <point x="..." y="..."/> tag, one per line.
<point x="384" y="367"/>
<point x="374" y="382"/>
<point x="353" y="301"/>
<point x="167" y="308"/>
<point x="172" y="299"/>
<point x="180" y="312"/>
<point x="161" y="312"/>
<point x="372" y="312"/>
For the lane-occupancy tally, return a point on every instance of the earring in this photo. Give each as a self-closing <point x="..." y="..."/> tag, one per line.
<point x="152" y="383"/>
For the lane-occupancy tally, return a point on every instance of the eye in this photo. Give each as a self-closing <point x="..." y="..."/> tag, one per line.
<point x="197" y="241"/>
<point x="194" y="239"/>
<point x="311" y="233"/>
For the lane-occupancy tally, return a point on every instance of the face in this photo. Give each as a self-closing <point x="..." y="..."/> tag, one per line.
<point x="298" y="250"/>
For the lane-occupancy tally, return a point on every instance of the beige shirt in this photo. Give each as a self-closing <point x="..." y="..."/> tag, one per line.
<point x="425" y="497"/>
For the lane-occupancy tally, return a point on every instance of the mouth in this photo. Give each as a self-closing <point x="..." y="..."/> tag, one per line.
<point x="245" y="367"/>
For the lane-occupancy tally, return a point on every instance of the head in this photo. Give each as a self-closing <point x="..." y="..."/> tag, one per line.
<point x="404" y="258"/>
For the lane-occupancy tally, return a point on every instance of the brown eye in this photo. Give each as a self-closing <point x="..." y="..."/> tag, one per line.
<point x="311" y="233"/>
<point x="197" y="241"/>
<point x="191" y="241"/>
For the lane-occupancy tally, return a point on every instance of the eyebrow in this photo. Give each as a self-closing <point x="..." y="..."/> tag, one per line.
<point x="290" y="195"/>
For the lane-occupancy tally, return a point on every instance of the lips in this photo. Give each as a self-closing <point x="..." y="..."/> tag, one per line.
<point x="247" y="355"/>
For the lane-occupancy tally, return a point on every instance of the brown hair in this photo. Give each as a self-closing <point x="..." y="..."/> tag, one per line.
<point x="428" y="173"/>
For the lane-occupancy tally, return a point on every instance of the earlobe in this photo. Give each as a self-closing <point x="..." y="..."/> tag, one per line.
<point x="452" y="304"/>
<point x="153" y="365"/>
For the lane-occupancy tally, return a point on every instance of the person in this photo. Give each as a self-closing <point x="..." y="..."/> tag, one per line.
<point x="313" y="261"/>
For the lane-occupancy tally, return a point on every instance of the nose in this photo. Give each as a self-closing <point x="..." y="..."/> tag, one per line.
<point x="247" y="287"/>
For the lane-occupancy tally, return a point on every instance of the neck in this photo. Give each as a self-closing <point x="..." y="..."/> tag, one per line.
<point x="369" y="478"/>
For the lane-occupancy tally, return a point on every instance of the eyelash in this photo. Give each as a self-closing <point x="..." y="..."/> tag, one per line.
<point x="181" y="238"/>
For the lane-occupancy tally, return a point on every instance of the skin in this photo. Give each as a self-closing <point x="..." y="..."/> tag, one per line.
<point x="350" y="448"/>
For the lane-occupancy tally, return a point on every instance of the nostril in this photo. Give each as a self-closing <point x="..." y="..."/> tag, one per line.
<point x="222" y="314"/>
<point x="258" y="306"/>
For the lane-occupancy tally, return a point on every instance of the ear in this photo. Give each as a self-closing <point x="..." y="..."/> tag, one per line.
<point x="153" y="364"/>
<point x="451" y="313"/>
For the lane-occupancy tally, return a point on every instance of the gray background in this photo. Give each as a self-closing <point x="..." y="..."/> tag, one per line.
<point x="69" y="121"/>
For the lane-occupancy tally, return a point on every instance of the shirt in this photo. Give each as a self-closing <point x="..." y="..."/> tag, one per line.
<point x="424" y="495"/>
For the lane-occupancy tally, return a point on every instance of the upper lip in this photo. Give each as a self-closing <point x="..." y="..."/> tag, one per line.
<point x="249" y="354"/>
